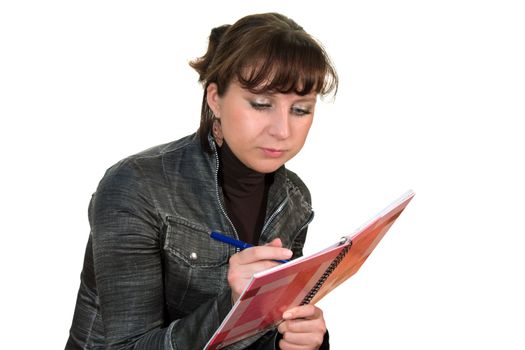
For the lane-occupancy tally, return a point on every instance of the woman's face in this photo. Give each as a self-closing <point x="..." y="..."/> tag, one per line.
<point x="264" y="131"/>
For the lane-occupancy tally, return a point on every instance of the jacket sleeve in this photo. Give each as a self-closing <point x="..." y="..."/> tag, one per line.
<point x="129" y="271"/>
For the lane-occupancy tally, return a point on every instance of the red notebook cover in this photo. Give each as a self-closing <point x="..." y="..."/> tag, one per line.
<point x="303" y="280"/>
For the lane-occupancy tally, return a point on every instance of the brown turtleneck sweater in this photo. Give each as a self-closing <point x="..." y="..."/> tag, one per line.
<point x="245" y="194"/>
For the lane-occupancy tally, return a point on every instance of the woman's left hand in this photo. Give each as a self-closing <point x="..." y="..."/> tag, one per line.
<point x="303" y="328"/>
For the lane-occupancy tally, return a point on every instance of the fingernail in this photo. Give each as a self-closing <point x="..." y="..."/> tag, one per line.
<point x="287" y="315"/>
<point x="289" y="252"/>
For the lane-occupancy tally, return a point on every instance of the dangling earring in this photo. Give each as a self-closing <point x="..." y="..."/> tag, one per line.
<point x="217" y="132"/>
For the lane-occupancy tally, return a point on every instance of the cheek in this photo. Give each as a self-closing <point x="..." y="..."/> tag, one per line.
<point x="230" y="119"/>
<point x="239" y="125"/>
<point x="302" y="130"/>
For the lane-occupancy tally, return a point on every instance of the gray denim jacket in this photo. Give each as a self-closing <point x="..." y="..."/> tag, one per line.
<point x="152" y="277"/>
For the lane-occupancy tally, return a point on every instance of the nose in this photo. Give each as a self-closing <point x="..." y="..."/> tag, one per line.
<point x="280" y="124"/>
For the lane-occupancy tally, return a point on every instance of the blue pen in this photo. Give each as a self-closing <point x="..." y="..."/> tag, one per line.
<point x="236" y="243"/>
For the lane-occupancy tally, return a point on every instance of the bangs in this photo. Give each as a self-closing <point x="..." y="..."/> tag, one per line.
<point x="285" y="64"/>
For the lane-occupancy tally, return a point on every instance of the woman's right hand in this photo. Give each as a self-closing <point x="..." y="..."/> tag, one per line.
<point x="249" y="261"/>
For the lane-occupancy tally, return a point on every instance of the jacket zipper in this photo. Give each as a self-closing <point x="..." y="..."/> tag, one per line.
<point x="274" y="214"/>
<point x="218" y="194"/>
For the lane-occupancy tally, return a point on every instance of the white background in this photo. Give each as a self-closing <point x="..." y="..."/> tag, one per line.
<point x="430" y="98"/>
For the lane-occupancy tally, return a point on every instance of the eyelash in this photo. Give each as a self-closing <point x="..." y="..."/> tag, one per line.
<point x="260" y="106"/>
<point x="300" y="112"/>
<point x="263" y="106"/>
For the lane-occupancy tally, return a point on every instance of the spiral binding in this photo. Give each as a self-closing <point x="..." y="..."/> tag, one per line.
<point x="337" y="260"/>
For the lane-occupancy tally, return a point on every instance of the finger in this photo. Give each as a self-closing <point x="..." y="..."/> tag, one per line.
<point x="304" y="311"/>
<point x="259" y="253"/>
<point x="284" y="345"/>
<point x="303" y="339"/>
<point x="275" y="243"/>
<point x="246" y="271"/>
<point x="303" y="326"/>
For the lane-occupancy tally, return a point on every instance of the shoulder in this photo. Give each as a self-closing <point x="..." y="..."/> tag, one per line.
<point x="137" y="172"/>
<point x="149" y="160"/>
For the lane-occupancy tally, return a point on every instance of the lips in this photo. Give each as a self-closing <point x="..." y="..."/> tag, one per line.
<point x="272" y="152"/>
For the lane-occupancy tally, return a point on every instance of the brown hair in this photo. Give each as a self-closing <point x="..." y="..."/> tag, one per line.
<point x="264" y="53"/>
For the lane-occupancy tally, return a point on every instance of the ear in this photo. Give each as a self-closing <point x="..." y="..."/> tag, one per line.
<point x="213" y="99"/>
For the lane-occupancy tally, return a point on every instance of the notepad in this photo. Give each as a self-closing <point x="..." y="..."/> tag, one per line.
<point x="304" y="280"/>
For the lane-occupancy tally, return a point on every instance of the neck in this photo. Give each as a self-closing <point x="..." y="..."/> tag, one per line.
<point x="236" y="176"/>
<point x="245" y="193"/>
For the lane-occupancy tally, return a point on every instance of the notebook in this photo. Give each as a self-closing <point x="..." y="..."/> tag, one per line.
<point x="302" y="281"/>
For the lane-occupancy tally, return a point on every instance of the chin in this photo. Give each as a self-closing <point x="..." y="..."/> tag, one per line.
<point x="266" y="167"/>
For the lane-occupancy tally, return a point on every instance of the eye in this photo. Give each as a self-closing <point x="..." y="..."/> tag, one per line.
<point x="300" y="111"/>
<point x="260" y="105"/>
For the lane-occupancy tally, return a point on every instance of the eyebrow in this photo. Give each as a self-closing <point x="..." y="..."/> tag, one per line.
<point x="299" y="99"/>
<point x="306" y="99"/>
<point x="272" y="95"/>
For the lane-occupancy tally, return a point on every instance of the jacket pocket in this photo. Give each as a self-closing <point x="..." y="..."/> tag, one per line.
<point x="192" y="244"/>
<point x="196" y="266"/>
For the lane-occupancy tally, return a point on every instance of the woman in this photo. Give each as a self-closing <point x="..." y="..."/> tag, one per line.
<point x="152" y="277"/>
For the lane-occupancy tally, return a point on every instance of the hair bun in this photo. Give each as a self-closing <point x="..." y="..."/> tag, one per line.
<point x="202" y="64"/>
<point x="217" y="33"/>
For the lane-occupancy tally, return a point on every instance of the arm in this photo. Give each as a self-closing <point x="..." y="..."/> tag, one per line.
<point x="129" y="271"/>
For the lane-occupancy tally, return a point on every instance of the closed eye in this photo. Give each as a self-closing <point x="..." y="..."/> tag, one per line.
<point x="260" y="106"/>
<point x="300" y="111"/>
